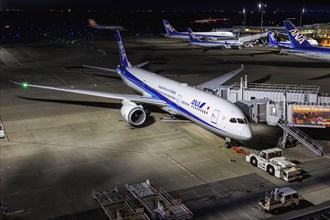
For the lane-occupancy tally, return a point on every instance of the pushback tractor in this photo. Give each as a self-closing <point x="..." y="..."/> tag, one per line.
<point x="272" y="161"/>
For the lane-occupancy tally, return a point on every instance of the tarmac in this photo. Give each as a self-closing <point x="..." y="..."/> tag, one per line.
<point x="59" y="147"/>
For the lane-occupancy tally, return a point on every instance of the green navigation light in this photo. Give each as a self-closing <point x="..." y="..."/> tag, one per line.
<point x="25" y="85"/>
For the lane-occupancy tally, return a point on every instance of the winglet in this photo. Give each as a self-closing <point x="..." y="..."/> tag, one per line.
<point x="297" y="39"/>
<point x="122" y="54"/>
<point x="24" y="85"/>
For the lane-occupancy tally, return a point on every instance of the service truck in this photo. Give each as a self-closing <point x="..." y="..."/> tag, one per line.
<point x="272" y="161"/>
<point x="279" y="198"/>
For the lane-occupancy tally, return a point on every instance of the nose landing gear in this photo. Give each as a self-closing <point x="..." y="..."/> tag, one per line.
<point x="228" y="143"/>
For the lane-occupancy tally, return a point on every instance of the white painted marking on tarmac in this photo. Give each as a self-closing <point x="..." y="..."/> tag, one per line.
<point x="16" y="212"/>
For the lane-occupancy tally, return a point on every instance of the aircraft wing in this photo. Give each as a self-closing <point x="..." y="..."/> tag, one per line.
<point x="133" y="98"/>
<point x="101" y="68"/>
<point x="216" y="82"/>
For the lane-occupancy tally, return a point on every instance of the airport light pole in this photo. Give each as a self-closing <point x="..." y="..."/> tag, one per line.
<point x="301" y="14"/>
<point x="261" y="9"/>
<point x="244" y="16"/>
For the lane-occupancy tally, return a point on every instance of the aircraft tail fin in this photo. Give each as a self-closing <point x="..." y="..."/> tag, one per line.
<point x="122" y="54"/>
<point x="169" y="28"/>
<point x="297" y="39"/>
<point x="192" y="36"/>
<point x="272" y="40"/>
<point x="92" y="22"/>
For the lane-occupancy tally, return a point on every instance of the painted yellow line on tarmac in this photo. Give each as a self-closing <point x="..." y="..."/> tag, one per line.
<point x="212" y="139"/>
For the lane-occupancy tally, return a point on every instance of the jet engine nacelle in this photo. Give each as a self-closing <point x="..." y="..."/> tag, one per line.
<point x="133" y="113"/>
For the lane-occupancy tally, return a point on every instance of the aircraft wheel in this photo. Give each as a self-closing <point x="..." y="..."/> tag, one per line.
<point x="228" y="144"/>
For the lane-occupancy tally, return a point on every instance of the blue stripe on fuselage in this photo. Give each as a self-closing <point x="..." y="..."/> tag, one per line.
<point x="129" y="76"/>
<point x="198" y="35"/>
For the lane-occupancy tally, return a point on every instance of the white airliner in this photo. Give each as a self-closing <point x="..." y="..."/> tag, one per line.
<point x="285" y="44"/>
<point x="214" y="35"/>
<point x="233" y="44"/>
<point x="211" y="112"/>
<point x="301" y="47"/>
<point x="92" y="23"/>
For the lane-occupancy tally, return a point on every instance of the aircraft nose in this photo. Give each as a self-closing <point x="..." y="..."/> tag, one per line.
<point x="246" y="133"/>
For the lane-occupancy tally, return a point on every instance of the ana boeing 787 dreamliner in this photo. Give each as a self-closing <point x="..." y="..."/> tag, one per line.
<point x="207" y="110"/>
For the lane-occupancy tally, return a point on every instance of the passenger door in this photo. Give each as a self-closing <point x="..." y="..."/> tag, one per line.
<point x="215" y="116"/>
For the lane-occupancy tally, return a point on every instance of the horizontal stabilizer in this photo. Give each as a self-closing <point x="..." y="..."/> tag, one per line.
<point x="141" y="64"/>
<point x="101" y="68"/>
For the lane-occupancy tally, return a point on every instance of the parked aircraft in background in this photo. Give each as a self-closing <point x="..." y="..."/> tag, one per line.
<point x="301" y="47"/>
<point x="286" y="44"/>
<point x="207" y="110"/>
<point x="92" y="23"/>
<point x="274" y="43"/>
<point x="214" y="35"/>
<point x="231" y="44"/>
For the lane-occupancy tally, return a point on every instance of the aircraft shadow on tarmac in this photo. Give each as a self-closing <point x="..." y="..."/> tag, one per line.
<point x="73" y="102"/>
<point x="327" y="76"/>
<point x="149" y="121"/>
<point x="263" y="79"/>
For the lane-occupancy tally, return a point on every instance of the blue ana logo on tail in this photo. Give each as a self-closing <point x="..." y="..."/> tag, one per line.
<point x="297" y="36"/>
<point x="122" y="55"/>
<point x="192" y="36"/>
<point x="122" y="50"/>
<point x="169" y="27"/>
<point x="272" y="39"/>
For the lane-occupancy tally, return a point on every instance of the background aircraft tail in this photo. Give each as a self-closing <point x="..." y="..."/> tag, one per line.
<point x="92" y="22"/>
<point x="272" y="40"/>
<point x="192" y="36"/>
<point x="169" y="28"/>
<point x="122" y="54"/>
<point x="297" y="39"/>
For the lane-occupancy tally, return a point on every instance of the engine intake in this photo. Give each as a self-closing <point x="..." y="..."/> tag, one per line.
<point x="134" y="114"/>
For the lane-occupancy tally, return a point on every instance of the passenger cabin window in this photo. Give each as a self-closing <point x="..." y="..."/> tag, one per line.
<point x="233" y="120"/>
<point x="241" y="121"/>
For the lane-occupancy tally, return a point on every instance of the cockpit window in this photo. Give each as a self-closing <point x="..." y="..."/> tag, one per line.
<point x="246" y="121"/>
<point x="233" y="120"/>
<point x="241" y="121"/>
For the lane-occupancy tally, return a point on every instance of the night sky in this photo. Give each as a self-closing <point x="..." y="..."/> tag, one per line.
<point x="169" y="4"/>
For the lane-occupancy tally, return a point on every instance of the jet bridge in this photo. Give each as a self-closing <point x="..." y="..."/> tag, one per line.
<point x="252" y="37"/>
<point x="283" y="105"/>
